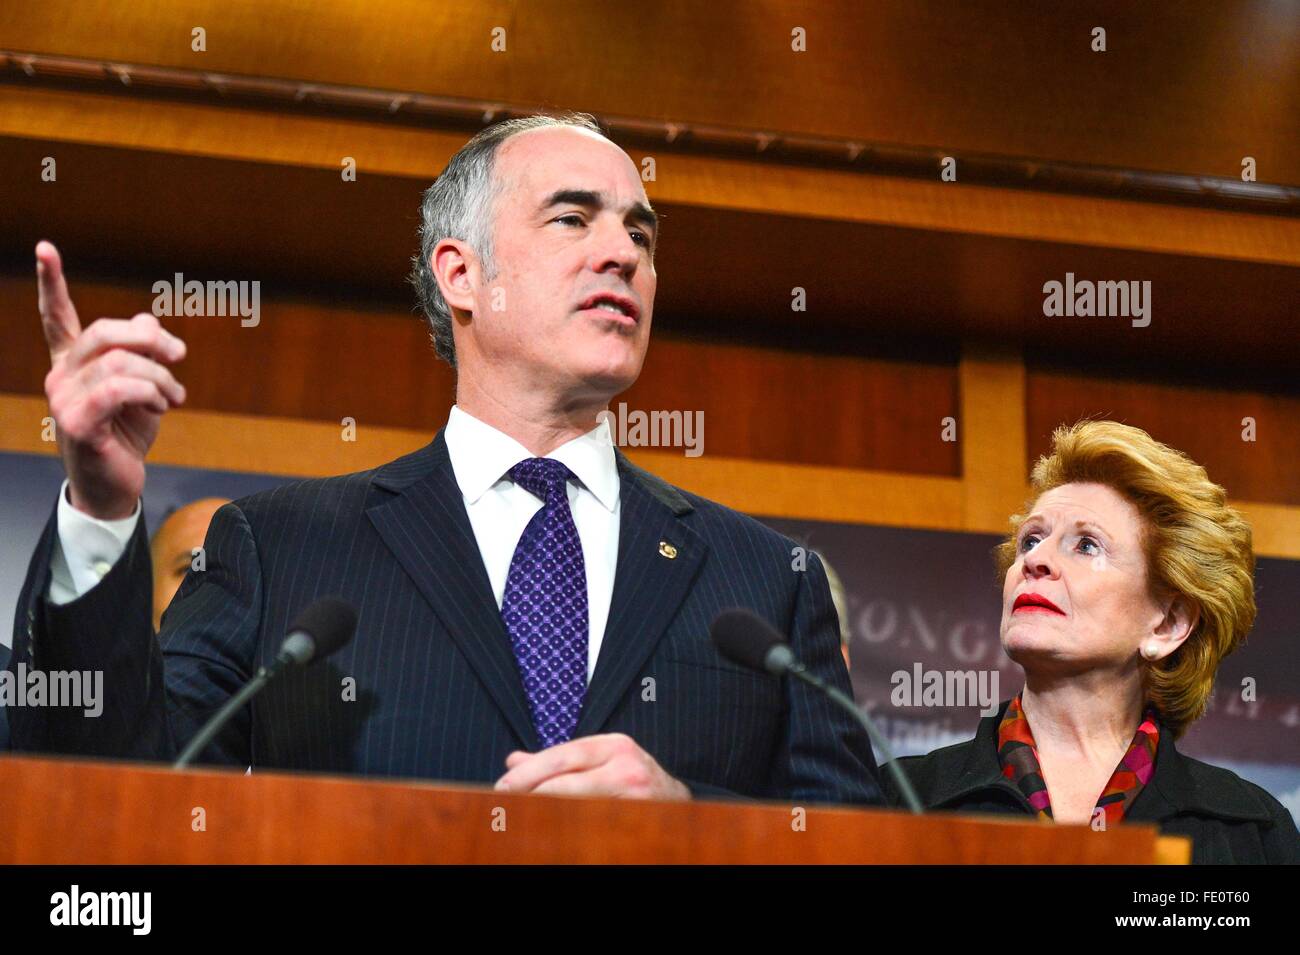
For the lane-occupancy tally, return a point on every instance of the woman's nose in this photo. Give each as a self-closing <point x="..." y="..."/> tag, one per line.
<point x="1039" y="563"/>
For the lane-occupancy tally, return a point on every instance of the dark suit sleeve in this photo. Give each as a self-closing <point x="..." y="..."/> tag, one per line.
<point x="157" y="691"/>
<point x="825" y="755"/>
<point x="709" y="791"/>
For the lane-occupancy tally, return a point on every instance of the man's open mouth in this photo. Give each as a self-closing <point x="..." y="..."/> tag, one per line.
<point x="612" y="303"/>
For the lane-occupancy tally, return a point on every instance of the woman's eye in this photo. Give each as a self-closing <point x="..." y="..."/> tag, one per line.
<point x="1088" y="546"/>
<point x="1028" y="542"/>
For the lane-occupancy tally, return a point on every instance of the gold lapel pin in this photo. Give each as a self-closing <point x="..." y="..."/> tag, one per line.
<point x="667" y="550"/>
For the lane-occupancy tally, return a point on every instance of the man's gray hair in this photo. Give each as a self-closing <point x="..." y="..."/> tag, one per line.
<point x="460" y="205"/>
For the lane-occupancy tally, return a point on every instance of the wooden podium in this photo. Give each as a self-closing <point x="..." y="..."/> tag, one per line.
<point x="57" y="811"/>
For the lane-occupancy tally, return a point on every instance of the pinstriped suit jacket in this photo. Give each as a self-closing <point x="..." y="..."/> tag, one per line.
<point x="429" y="686"/>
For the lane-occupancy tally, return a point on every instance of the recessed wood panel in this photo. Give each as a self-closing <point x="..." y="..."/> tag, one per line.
<point x="325" y="361"/>
<point x="800" y="407"/>
<point x="869" y="287"/>
<point x="1203" y="421"/>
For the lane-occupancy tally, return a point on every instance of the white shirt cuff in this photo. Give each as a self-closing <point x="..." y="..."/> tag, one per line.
<point x="86" y="550"/>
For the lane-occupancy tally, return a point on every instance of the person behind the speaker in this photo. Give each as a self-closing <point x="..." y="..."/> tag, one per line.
<point x="172" y="549"/>
<point x="1124" y="586"/>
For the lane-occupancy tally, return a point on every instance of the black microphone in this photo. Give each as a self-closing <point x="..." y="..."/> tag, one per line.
<point x="744" y="637"/>
<point x="324" y="627"/>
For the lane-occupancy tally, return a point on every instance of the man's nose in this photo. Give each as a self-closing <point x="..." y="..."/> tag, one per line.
<point x="614" y="250"/>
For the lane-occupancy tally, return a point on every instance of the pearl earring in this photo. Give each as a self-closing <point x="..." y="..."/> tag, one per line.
<point x="1150" y="651"/>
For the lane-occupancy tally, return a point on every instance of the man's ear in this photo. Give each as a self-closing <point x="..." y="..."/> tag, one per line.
<point x="455" y="268"/>
<point x="1179" y="622"/>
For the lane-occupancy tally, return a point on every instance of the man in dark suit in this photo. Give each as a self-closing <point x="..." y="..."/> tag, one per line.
<point x="533" y="609"/>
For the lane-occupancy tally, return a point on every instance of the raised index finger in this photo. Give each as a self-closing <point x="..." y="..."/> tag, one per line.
<point x="58" y="317"/>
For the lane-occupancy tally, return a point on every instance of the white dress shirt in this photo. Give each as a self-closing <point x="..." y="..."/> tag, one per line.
<point x="86" y="550"/>
<point x="499" y="510"/>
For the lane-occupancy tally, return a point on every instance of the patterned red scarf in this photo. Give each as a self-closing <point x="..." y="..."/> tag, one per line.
<point x="1019" y="759"/>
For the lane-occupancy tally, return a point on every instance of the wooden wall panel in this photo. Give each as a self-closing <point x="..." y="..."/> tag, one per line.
<point x="40" y="121"/>
<point x="993" y="428"/>
<point x="1203" y="421"/>
<point x="1184" y="85"/>
<point x="871" y="288"/>
<point x="224" y="441"/>
<point x="323" y="361"/>
<point x="801" y="407"/>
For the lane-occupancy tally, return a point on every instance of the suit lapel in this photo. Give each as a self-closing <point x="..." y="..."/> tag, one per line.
<point x="648" y="586"/>
<point x="426" y="527"/>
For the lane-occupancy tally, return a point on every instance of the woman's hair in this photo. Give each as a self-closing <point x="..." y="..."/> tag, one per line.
<point x="1196" y="547"/>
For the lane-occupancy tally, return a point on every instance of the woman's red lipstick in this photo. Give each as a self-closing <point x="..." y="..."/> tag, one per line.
<point x="1035" y="602"/>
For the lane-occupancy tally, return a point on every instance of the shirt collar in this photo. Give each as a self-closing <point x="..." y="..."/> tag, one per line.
<point x="481" y="455"/>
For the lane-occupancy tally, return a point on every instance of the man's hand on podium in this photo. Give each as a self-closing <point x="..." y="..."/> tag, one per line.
<point x="107" y="389"/>
<point x="608" y="765"/>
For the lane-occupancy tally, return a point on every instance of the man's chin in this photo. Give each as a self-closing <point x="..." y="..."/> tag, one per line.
<point x="611" y="376"/>
<point x="608" y="383"/>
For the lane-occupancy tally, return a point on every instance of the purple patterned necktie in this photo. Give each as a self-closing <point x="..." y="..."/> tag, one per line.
<point x="545" y="604"/>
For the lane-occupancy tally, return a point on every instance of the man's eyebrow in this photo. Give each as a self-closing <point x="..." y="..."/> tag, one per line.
<point x="638" y="212"/>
